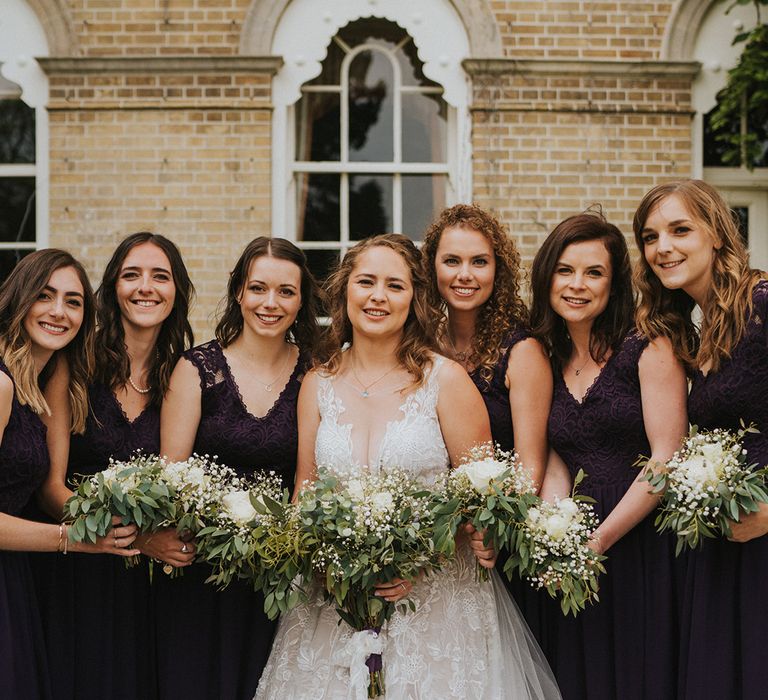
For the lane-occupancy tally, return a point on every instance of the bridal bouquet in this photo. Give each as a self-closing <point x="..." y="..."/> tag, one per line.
<point x="131" y="490"/>
<point x="492" y="491"/>
<point x="549" y="548"/>
<point x="362" y="530"/>
<point x="706" y="485"/>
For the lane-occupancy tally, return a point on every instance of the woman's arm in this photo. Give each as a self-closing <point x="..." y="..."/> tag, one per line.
<point x="309" y="421"/>
<point x="529" y="380"/>
<point x="181" y="411"/>
<point x="557" y="480"/>
<point x="663" y="389"/>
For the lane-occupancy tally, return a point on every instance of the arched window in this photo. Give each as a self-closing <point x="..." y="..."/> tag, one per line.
<point x="370" y="143"/>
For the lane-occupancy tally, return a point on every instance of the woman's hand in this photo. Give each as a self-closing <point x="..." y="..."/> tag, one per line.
<point x="115" y="541"/>
<point x="486" y="556"/>
<point x="167" y="546"/>
<point x="750" y="526"/>
<point x="394" y="590"/>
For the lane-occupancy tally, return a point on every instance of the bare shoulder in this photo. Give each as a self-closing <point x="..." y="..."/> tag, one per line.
<point x="659" y="351"/>
<point x="449" y="370"/>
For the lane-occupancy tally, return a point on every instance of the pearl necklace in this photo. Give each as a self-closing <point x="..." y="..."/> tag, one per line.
<point x="140" y="391"/>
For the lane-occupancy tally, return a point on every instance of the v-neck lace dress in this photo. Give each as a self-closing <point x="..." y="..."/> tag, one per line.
<point x="625" y="645"/>
<point x="96" y="613"/>
<point x="465" y="640"/>
<point x="211" y="643"/>
<point x="725" y="609"/>
<point x="23" y="468"/>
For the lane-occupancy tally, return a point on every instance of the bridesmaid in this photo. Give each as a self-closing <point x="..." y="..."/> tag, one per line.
<point x="142" y="303"/>
<point x="693" y="254"/>
<point x="235" y="397"/>
<point x="46" y="314"/>
<point x="474" y="275"/>
<point x="617" y="395"/>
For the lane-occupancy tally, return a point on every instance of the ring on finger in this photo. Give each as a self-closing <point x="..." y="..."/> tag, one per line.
<point x="404" y="588"/>
<point x="184" y="548"/>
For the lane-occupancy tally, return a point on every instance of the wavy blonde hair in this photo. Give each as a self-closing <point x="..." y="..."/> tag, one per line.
<point x="418" y="342"/>
<point x="667" y="312"/>
<point x="17" y="295"/>
<point x="505" y="310"/>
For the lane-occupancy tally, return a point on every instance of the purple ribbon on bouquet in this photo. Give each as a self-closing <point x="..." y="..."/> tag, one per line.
<point x="374" y="662"/>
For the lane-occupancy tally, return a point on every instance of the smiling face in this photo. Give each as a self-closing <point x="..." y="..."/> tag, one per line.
<point x="678" y="248"/>
<point x="581" y="284"/>
<point x="145" y="289"/>
<point x="54" y="319"/>
<point x="379" y="292"/>
<point x="271" y="296"/>
<point x="465" y="267"/>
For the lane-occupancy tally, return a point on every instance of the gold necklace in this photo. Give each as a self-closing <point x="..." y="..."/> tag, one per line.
<point x="577" y="372"/>
<point x="365" y="393"/>
<point x="459" y="355"/>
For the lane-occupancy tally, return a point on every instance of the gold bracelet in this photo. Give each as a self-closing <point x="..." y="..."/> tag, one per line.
<point x="61" y="536"/>
<point x="66" y="538"/>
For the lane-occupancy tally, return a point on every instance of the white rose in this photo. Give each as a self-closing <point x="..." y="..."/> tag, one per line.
<point x="238" y="506"/>
<point x="195" y="476"/>
<point x="355" y="489"/>
<point x="556" y="526"/>
<point x="382" y="501"/>
<point x="481" y="472"/>
<point x="173" y="472"/>
<point x="346" y="532"/>
<point x="534" y="515"/>
<point x="714" y="456"/>
<point x="698" y="471"/>
<point x="568" y="508"/>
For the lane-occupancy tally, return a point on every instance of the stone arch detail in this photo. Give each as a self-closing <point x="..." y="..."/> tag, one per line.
<point x="56" y="20"/>
<point x="263" y="17"/>
<point x="683" y="28"/>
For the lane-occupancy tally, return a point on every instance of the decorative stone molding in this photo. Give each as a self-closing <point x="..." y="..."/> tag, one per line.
<point x="56" y="20"/>
<point x="172" y="64"/>
<point x="21" y="39"/>
<point x="639" y="69"/>
<point x="683" y="28"/>
<point x="263" y="17"/>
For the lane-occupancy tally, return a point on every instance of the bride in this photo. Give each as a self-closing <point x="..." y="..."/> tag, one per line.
<point x="389" y="400"/>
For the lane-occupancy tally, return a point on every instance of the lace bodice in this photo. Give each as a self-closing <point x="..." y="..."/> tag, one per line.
<point x="737" y="391"/>
<point x="23" y="456"/>
<point x="412" y="440"/>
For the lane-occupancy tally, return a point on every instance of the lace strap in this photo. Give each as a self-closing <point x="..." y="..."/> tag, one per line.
<point x="423" y="401"/>
<point x="329" y="406"/>
<point x="209" y="361"/>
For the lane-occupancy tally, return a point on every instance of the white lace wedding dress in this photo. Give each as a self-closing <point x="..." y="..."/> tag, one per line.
<point x="465" y="639"/>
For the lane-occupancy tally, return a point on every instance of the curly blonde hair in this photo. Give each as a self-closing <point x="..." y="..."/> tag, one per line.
<point x="505" y="309"/>
<point x="418" y="342"/>
<point x="667" y="312"/>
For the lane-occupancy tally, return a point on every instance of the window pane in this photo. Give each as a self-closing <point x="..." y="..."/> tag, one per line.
<point x="17" y="132"/>
<point x="331" y="71"/>
<point x="8" y="260"/>
<point x="322" y="262"/>
<point x="317" y="208"/>
<point x="423" y="200"/>
<point x="371" y="30"/>
<point x="411" y="66"/>
<point x="370" y="205"/>
<point x="318" y="127"/>
<point x="425" y="120"/>
<point x="757" y="124"/>
<point x="742" y="216"/>
<point x="370" y="107"/>
<point x="17" y="209"/>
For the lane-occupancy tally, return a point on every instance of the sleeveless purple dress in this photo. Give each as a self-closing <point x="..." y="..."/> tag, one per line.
<point x="23" y="468"/>
<point x="210" y="643"/>
<point x="97" y="592"/>
<point x="625" y="646"/>
<point x="725" y="607"/>
<point x="496" y="397"/>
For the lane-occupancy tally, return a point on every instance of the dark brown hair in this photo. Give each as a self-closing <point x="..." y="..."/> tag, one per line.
<point x="305" y="330"/>
<point x="611" y="326"/>
<point x="113" y="366"/>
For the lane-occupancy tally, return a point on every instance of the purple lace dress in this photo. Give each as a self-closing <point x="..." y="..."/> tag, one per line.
<point x="23" y="467"/>
<point x="214" y="644"/>
<point x="496" y="397"/>
<point x="96" y="592"/>
<point x="625" y="645"/>
<point x="725" y="607"/>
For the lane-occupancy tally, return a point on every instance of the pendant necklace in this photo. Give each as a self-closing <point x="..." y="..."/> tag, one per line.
<point x="365" y="393"/>
<point x="268" y="387"/>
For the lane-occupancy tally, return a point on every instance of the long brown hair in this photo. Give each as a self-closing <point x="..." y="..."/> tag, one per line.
<point x="418" y="342"/>
<point x="505" y="310"/>
<point x="305" y="330"/>
<point x="613" y="324"/>
<point x="667" y="312"/>
<point x="17" y="295"/>
<point x="113" y="366"/>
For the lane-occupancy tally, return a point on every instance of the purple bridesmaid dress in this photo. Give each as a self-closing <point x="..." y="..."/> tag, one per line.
<point x="23" y="467"/>
<point x="625" y="646"/>
<point x="96" y="612"/>
<point x="214" y="644"/>
<point x="725" y="608"/>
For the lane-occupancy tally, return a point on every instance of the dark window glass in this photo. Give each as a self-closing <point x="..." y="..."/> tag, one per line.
<point x="17" y="132"/>
<point x="318" y="128"/>
<point x="714" y="148"/>
<point x="742" y="215"/>
<point x="317" y="207"/>
<point x="425" y="120"/>
<point x="17" y="209"/>
<point x="423" y="200"/>
<point x="8" y="260"/>
<point x="322" y="262"/>
<point x="370" y="107"/>
<point x="370" y="205"/>
<point x="331" y="67"/>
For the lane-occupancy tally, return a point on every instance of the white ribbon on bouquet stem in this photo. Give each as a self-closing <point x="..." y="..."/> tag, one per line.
<point x="353" y="656"/>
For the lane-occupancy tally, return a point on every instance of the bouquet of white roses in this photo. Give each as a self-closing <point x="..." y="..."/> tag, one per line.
<point x="549" y="548"/>
<point x="362" y="530"/>
<point x="491" y="490"/>
<point x="706" y="485"/>
<point x="131" y="490"/>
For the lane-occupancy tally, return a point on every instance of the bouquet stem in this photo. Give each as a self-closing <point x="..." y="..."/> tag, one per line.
<point x="481" y="573"/>
<point x="375" y="668"/>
